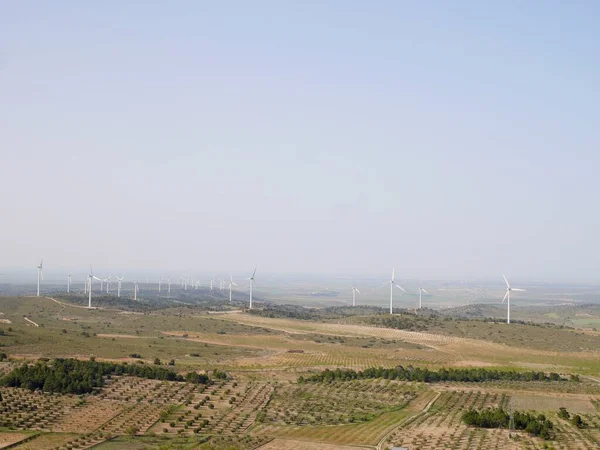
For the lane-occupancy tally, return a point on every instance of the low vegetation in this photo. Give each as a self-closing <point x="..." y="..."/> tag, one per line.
<point x="429" y="376"/>
<point x="71" y="376"/>
<point x="498" y="418"/>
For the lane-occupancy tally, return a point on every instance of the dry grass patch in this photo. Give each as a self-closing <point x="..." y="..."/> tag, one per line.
<point x="289" y="444"/>
<point x="552" y="403"/>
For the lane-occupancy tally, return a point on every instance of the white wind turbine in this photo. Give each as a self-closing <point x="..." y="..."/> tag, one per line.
<point x="354" y="291"/>
<point x="421" y="290"/>
<point x="159" y="284"/>
<point x="91" y="278"/>
<point x="119" y="286"/>
<point x="392" y="284"/>
<point x="507" y="297"/>
<point x="40" y="269"/>
<point x="68" y="283"/>
<point x="251" y="283"/>
<point x="231" y="284"/>
<point x="136" y="289"/>
<point x="169" y="285"/>
<point x="108" y="283"/>
<point x="212" y="280"/>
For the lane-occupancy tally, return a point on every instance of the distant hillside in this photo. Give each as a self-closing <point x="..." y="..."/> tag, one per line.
<point x="478" y="311"/>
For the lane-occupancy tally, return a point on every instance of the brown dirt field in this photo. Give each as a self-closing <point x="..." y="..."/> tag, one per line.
<point x="289" y="444"/>
<point x="7" y="439"/>
<point x="125" y="336"/>
<point x="47" y="441"/>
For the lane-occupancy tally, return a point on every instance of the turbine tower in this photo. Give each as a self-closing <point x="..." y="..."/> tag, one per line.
<point x="507" y="297"/>
<point x="421" y="290"/>
<point x="169" y="284"/>
<point x="40" y="269"/>
<point x="251" y="283"/>
<point x="159" y="284"/>
<point x="85" y="285"/>
<point x="136" y="289"/>
<point x="68" y="283"/>
<point x="392" y="284"/>
<point x="90" y="279"/>
<point x="108" y="283"/>
<point x="354" y="291"/>
<point x="211" y="283"/>
<point x="231" y="284"/>
<point x="119" y="286"/>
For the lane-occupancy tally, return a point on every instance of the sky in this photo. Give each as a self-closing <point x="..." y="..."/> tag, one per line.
<point x="445" y="139"/>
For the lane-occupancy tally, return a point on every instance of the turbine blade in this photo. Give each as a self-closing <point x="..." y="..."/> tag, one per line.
<point x="505" y="295"/>
<point x="507" y="285"/>
<point x="400" y="287"/>
<point x="357" y="291"/>
<point x="520" y="290"/>
<point x="425" y="291"/>
<point x="254" y="273"/>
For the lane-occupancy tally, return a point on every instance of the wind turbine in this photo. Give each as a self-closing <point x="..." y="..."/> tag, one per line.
<point x="211" y="283"/>
<point x="135" y="290"/>
<point x="251" y="283"/>
<point x="159" y="284"/>
<point x="119" y="286"/>
<point x="91" y="278"/>
<point x="108" y="283"/>
<point x="421" y="290"/>
<point x="85" y="285"/>
<point x="169" y="283"/>
<point x="68" y="283"/>
<point x="40" y="269"/>
<point x="354" y="291"/>
<point x="222" y="283"/>
<point x="231" y="284"/>
<point x="392" y="284"/>
<point x="507" y="297"/>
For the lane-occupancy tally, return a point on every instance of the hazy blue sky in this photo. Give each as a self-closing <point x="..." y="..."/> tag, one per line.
<point x="448" y="139"/>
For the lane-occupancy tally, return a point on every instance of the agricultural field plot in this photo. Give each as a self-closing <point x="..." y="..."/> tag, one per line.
<point x="89" y="416"/>
<point x="290" y="444"/>
<point x="47" y="441"/>
<point x="336" y="403"/>
<point x="183" y="441"/>
<point x="23" y="409"/>
<point x="441" y="427"/>
<point x="229" y="407"/>
<point x="397" y="401"/>
<point x="552" y="403"/>
<point x="10" y="438"/>
<point x="143" y="390"/>
<point x="137" y="418"/>
<point x="569" y="437"/>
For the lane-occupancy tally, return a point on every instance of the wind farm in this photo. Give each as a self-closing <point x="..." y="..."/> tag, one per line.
<point x="202" y="201"/>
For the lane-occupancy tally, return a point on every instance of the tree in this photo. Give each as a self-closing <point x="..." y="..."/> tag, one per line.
<point x="156" y="361"/>
<point x="563" y="413"/>
<point x="577" y="421"/>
